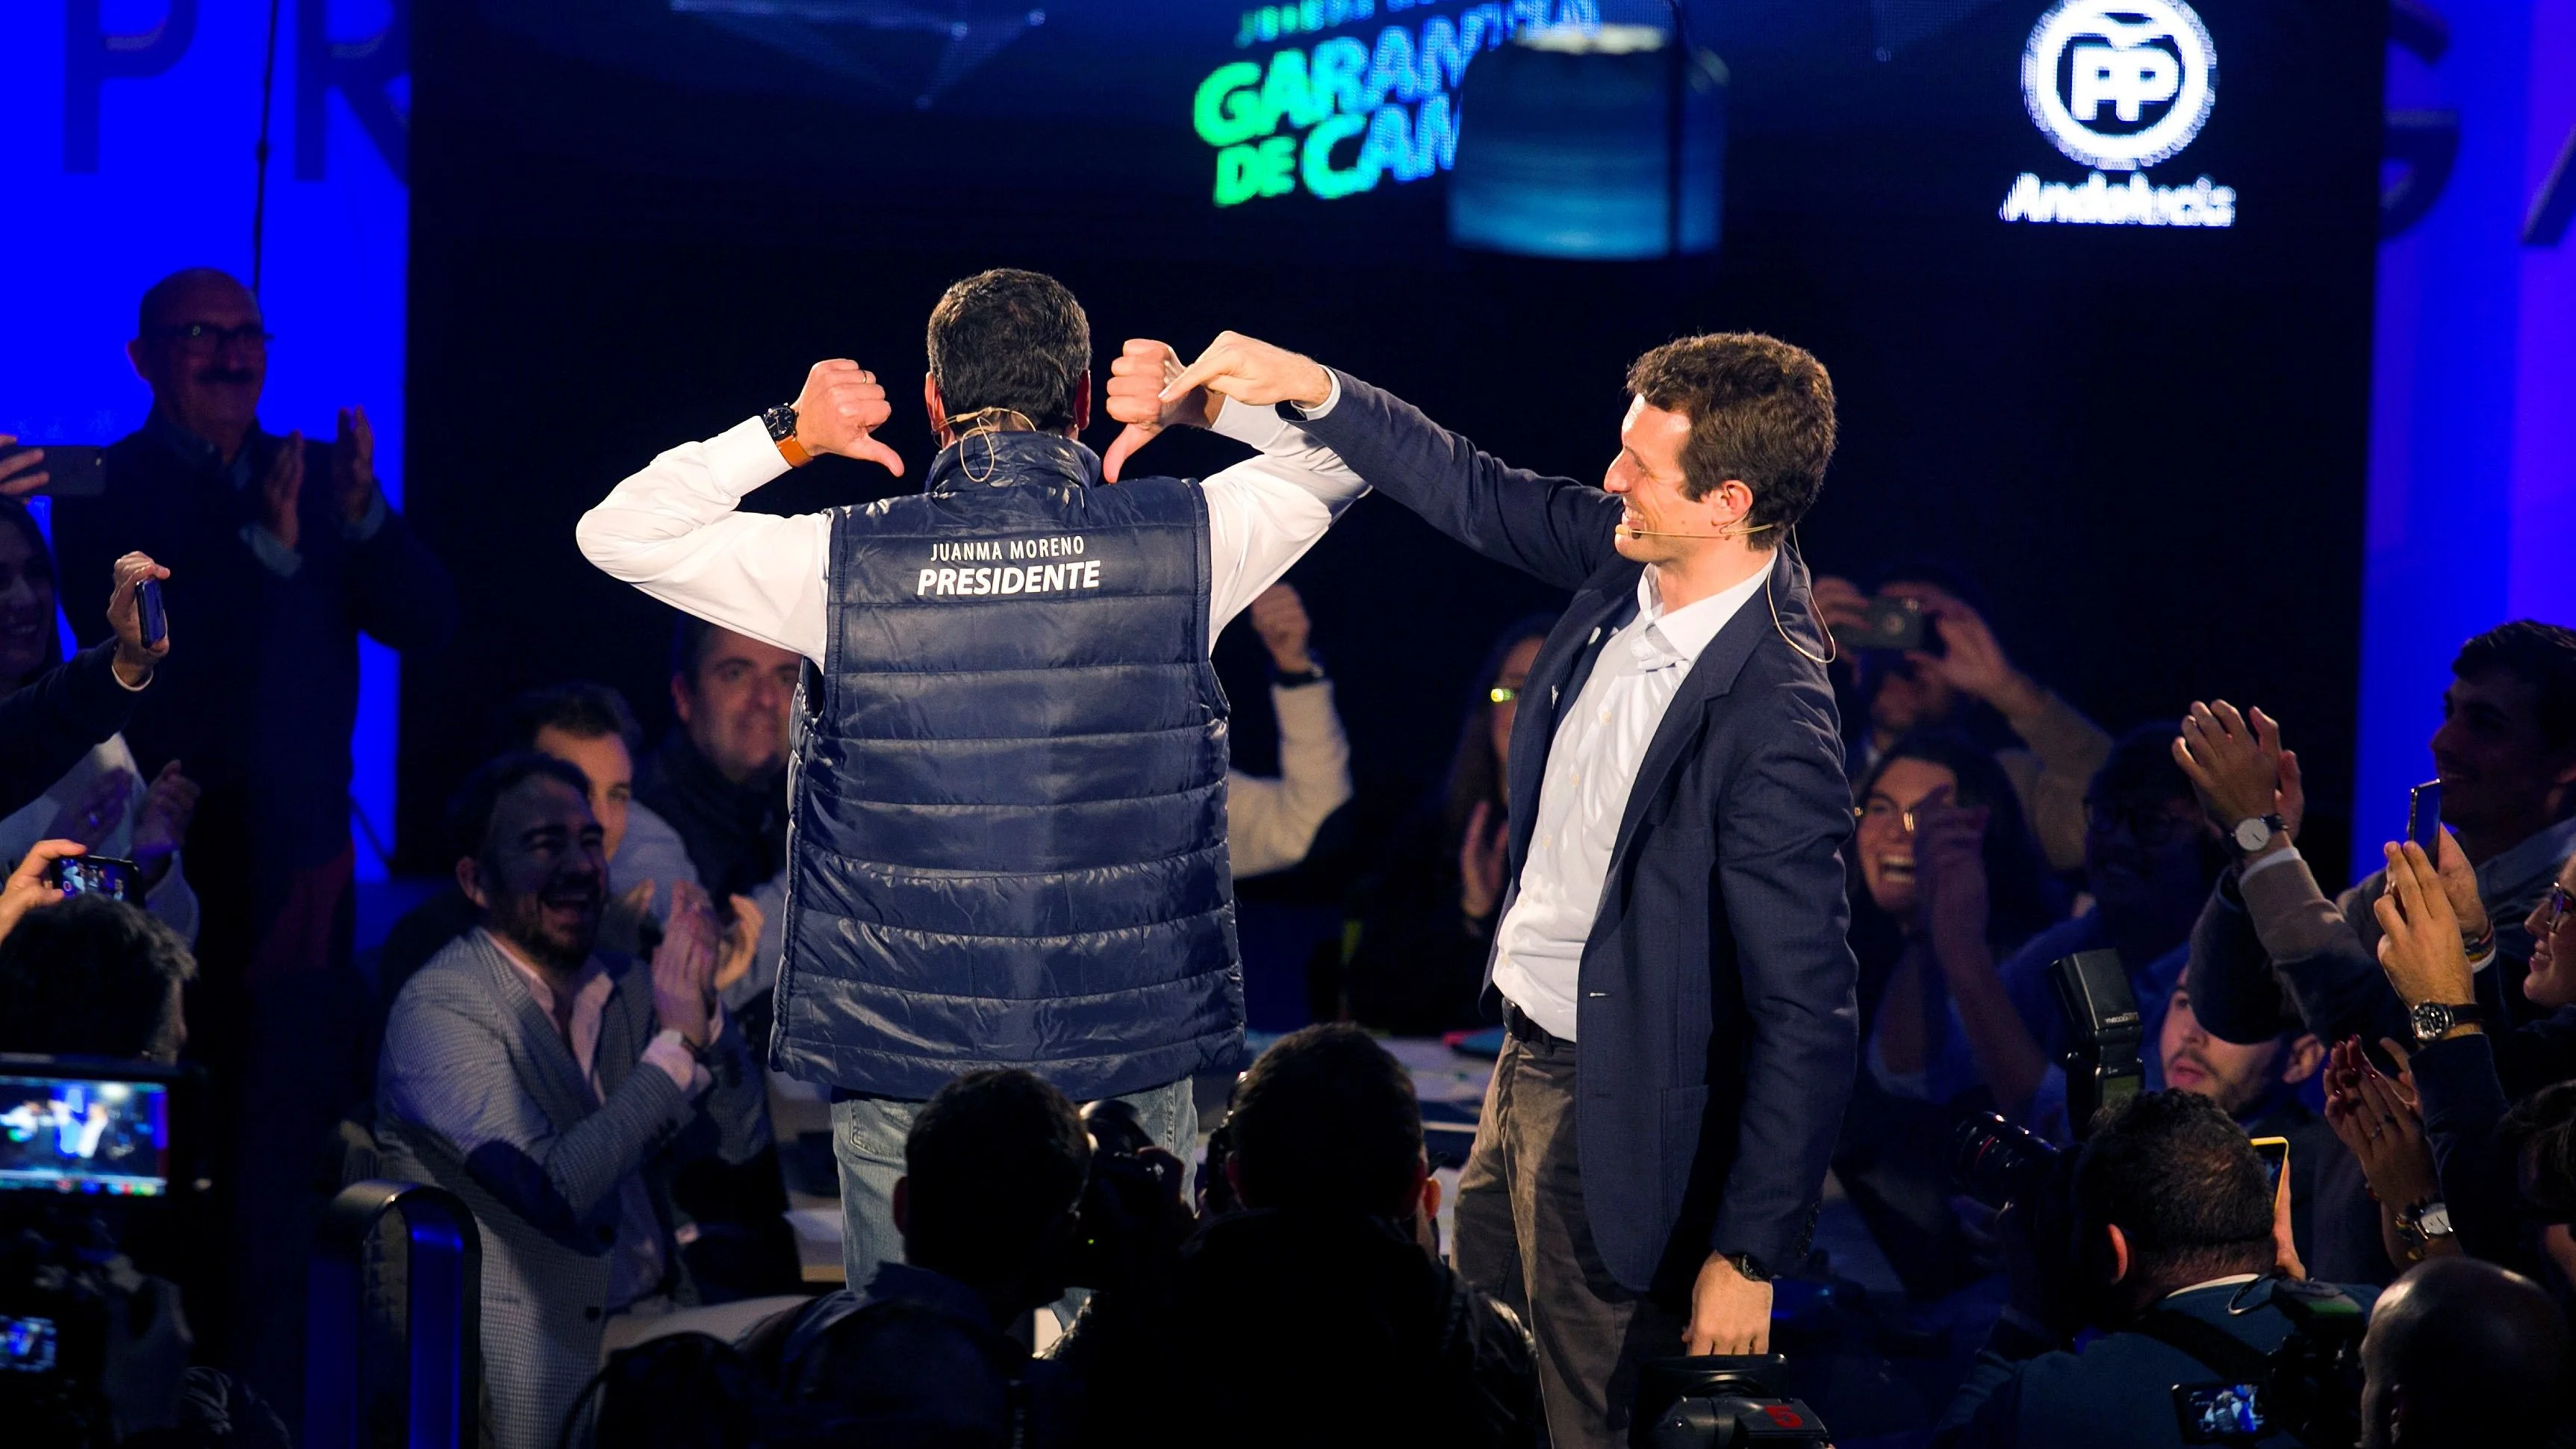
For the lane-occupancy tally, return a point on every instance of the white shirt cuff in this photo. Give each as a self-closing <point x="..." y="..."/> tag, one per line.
<point x="1330" y="399"/>
<point x="2262" y="863"/>
<point x="743" y="457"/>
<point x="670" y="1051"/>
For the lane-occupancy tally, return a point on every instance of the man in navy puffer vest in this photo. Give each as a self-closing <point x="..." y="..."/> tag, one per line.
<point x="1007" y="839"/>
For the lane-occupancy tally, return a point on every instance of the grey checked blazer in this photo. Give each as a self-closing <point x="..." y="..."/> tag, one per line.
<point x="477" y="1093"/>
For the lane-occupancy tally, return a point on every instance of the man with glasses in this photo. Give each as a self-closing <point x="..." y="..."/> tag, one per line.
<point x="282" y="551"/>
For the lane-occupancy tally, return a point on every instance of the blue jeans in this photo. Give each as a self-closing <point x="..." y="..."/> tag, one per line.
<point x="867" y="1140"/>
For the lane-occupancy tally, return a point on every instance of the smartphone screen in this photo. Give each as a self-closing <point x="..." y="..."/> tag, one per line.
<point x="2275" y="1152"/>
<point x="2424" y="818"/>
<point x="93" y="874"/>
<point x="26" y="1345"/>
<point x="79" y="1135"/>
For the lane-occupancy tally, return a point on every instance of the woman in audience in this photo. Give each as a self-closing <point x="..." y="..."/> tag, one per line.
<point x="1425" y="919"/>
<point x="103" y="802"/>
<point x="1946" y="882"/>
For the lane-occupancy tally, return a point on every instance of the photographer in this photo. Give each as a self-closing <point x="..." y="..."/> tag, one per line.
<point x="994" y="1171"/>
<point x="1327" y="1274"/>
<point x="2173" y="1218"/>
<point x="1962" y="680"/>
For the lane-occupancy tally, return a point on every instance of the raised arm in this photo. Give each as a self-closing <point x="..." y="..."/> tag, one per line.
<point x="1555" y="528"/>
<point x="673" y="531"/>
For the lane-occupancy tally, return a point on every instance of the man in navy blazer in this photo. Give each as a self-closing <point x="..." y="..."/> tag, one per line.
<point x="1671" y="957"/>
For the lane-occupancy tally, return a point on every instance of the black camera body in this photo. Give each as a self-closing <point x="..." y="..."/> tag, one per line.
<point x="1719" y="1402"/>
<point x="1131" y="1182"/>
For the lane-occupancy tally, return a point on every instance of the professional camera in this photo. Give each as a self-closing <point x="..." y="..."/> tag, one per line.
<point x="1131" y="1211"/>
<point x="85" y="1147"/>
<point x="1998" y="1163"/>
<point x="1719" y="1402"/>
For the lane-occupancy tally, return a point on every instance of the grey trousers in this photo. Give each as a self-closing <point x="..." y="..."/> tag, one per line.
<point x="1523" y="1237"/>
<point x="867" y="1141"/>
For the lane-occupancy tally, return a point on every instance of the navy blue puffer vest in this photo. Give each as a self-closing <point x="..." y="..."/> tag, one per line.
<point x="1008" y="839"/>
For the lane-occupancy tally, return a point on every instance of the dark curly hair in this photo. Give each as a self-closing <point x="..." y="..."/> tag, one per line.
<point x="1761" y="412"/>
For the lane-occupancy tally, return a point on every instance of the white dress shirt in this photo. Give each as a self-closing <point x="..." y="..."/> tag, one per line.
<point x="1591" y="768"/>
<point x="672" y="529"/>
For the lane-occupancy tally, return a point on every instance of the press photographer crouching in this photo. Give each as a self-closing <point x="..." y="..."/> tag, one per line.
<point x="96" y="1173"/>
<point x="1311" y="1305"/>
<point x="2165" y="1233"/>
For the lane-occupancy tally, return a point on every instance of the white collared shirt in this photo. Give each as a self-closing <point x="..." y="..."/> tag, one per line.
<point x="1591" y="767"/>
<point x="673" y="529"/>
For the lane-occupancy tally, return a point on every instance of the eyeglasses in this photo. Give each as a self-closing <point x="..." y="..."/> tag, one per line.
<point x="1882" y="811"/>
<point x="1503" y="693"/>
<point x="2149" y="825"/>
<point x="2560" y="901"/>
<point x="205" y="339"/>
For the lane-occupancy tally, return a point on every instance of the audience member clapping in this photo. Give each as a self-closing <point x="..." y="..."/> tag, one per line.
<point x="1961" y="680"/>
<point x="1946" y="883"/>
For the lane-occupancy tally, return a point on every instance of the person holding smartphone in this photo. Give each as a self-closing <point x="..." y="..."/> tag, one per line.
<point x="101" y="800"/>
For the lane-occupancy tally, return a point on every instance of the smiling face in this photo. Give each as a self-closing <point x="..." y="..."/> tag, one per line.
<point x="1647" y="478"/>
<point x="26" y="605"/>
<point x="2552" y="981"/>
<point x="735" y="705"/>
<point x="612" y="776"/>
<point x="2496" y="769"/>
<point x="542" y="875"/>
<point x="1886" y="839"/>
<point x="211" y="388"/>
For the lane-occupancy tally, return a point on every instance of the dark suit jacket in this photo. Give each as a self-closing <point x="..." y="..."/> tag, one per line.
<point x="1716" y="1029"/>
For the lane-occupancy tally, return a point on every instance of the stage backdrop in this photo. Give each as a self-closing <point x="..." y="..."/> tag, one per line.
<point x="128" y="131"/>
<point x="2473" y="413"/>
<point x="2094" y="283"/>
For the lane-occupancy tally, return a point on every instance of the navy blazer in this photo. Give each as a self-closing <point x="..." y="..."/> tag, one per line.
<point x="1716" y="1027"/>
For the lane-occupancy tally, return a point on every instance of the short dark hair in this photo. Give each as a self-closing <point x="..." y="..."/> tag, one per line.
<point x="2540" y="655"/>
<point x="1327" y="1120"/>
<point x="90" y="976"/>
<point x="1010" y="339"/>
<point x="689" y="636"/>
<point x="469" y="811"/>
<point x="2182" y="1182"/>
<point x="2141" y="766"/>
<point x="1761" y="411"/>
<point x="2539" y="1136"/>
<point x="580" y="709"/>
<point x="995" y="1158"/>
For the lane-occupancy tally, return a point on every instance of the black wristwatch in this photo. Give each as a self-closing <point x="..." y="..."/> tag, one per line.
<point x="781" y="423"/>
<point x="1299" y="679"/>
<point x="2431" y="1020"/>
<point x="1753" y="1268"/>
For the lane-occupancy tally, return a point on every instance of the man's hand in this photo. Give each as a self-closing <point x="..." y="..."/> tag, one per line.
<point x="1251" y="371"/>
<point x="27" y="888"/>
<point x="21" y="473"/>
<point x="353" y="466"/>
<point x="838" y="411"/>
<point x="1279" y="617"/>
<point x="741" y="942"/>
<point x="1137" y="378"/>
<point x="134" y="658"/>
<point x="1483" y="858"/>
<point x="2237" y="764"/>
<point x="1839" y="602"/>
<point x="2460" y="886"/>
<point x="281" y="490"/>
<point x="1730" y="1313"/>
<point x="93" y="817"/>
<point x="161" y="827"/>
<point x="684" y="967"/>
<point x="1973" y="661"/>
<point x="2420" y="947"/>
<point x="1950" y="869"/>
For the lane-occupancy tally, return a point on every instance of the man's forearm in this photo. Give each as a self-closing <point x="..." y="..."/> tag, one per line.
<point x="47" y="725"/>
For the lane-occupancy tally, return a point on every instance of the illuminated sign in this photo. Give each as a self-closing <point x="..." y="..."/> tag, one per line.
<point x="2119" y="85"/>
<point x="1343" y="114"/>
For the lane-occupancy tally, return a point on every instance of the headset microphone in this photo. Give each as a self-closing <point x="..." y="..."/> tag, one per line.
<point x="1625" y="531"/>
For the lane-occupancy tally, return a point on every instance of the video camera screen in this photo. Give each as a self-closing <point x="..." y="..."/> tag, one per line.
<point x="76" y="1135"/>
